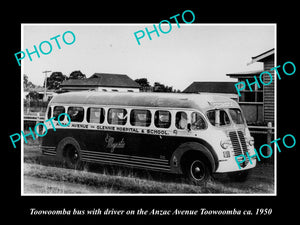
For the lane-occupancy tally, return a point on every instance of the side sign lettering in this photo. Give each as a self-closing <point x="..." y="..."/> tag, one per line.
<point x="112" y="145"/>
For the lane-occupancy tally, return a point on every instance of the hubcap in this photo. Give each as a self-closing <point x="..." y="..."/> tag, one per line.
<point x="197" y="170"/>
<point x="73" y="156"/>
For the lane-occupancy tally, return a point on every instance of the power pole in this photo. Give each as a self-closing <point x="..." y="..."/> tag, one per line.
<point x="45" y="89"/>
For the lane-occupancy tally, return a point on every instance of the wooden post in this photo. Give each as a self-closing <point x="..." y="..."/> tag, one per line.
<point x="37" y="121"/>
<point x="28" y="105"/>
<point x="269" y="136"/>
<point x="269" y="133"/>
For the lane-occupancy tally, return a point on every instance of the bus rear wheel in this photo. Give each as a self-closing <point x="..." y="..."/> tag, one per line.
<point x="69" y="152"/>
<point x="72" y="157"/>
<point x="197" y="171"/>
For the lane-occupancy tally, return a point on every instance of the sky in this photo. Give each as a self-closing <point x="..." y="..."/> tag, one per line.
<point x="193" y="52"/>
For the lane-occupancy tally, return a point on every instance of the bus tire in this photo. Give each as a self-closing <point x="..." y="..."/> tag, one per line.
<point x="197" y="170"/>
<point x="69" y="152"/>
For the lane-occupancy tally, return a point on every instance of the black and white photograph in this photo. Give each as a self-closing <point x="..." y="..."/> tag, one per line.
<point x="159" y="115"/>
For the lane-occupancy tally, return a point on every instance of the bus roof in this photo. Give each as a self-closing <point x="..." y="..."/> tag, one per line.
<point x="200" y="101"/>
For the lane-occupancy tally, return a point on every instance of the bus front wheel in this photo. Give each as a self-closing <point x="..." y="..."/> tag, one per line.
<point x="197" y="171"/>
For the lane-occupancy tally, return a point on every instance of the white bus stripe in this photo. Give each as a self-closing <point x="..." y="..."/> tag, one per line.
<point x="125" y="156"/>
<point x="126" y="164"/>
<point x="124" y="160"/>
<point x="48" y="147"/>
<point x="49" y="153"/>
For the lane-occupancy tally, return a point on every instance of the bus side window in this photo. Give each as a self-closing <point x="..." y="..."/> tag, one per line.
<point x="76" y="114"/>
<point x="140" y="117"/>
<point x="49" y="113"/>
<point x="197" y="121"/>
<point x="57" y="111"/>
<point x="181" y="120"/>
<point x="117" y="116"/>
<point x="95" y="115"/>
<point x="162" y="119"/>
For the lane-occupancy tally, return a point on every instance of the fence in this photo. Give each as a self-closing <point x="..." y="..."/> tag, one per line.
<point x="35" y="106"/>
<point x="38" y="118"/>
<point x="268" y="130"/>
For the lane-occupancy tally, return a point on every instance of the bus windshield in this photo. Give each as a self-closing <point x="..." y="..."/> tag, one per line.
<point x="218" y="117"/>
<point x="236" y="116"/>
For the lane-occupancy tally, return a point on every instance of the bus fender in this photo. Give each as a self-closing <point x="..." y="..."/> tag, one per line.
<point x="191" y="146"/>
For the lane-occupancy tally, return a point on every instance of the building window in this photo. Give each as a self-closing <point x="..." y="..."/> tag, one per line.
<point x="162" y="119"/>
<point x="95" y="115"/>
<point x="117" y="116"/>
<point x="76" y="114"/>
<point x="256" y="95"/>
<point x="140" y="117"/>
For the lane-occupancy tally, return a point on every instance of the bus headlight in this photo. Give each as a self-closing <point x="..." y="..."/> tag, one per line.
<point x="251" y="141"/>
<point x="226" y="154"/>
<point x="225" y="144"/>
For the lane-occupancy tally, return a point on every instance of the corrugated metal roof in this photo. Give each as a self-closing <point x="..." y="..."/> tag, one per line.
<point x="211" y="87"/>
<point x="245" y="73"/>
<point x="263" y="56"/>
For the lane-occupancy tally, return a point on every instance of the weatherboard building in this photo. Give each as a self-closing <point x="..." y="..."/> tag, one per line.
<point x="258" y="104"/>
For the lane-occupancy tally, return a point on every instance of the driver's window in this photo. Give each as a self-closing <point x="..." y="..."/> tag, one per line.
<point x="197" y="121"/>
<point x="181" y="120"/>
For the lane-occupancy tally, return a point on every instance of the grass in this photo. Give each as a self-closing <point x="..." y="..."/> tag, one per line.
<point x="120" y="183"/>
<point x="95" y="178"/>
<point x="45" y="186"/>
<point x="114" y="183"/>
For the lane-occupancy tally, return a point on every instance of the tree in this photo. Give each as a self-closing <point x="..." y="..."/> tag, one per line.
<point x="25" y="80"/>
<point x="143" y="82"/>
<point x="158" y="87"/>
<point x="26" y="83"/>
<point x="34" y="95"/>
<point x="55" y="79"/>
<point x="77" y="75"/>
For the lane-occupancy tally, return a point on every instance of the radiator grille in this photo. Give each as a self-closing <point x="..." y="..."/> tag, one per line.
<point x="239" y="145"/>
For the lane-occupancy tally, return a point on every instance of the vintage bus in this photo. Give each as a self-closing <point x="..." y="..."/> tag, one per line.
<point x="191" y="134"/>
